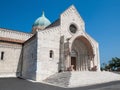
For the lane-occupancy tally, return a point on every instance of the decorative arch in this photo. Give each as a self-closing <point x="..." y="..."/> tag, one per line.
<point x="85" y="53"/>
<point x="83" y="38"/>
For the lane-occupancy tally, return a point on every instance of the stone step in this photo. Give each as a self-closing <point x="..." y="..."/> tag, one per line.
<point x="78" y="78"/>
<point x="59" y="79"/>
<point x="90" y="78"/>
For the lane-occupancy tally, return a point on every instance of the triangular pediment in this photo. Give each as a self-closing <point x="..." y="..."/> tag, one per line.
<point x="72" y="12"/>
<point x="71" y="16"/>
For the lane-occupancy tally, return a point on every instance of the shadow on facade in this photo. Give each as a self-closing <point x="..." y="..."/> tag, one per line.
<point x="27" y="64"/>
<point x="20" y="65"/>
<point x="63" y="77"/>
<point x="61" y="54"/>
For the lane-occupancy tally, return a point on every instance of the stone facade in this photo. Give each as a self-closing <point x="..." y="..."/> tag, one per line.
<point x="12" y="55"/>
<point x="48" y="40"/>
<point x="11" y="44"/>
<point x="29" y="59"/>
<point x="64" y="45"/>
<point x="14" y="34"/>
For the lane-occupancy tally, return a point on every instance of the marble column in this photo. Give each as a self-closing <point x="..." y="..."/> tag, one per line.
<point x="83" y="62"/>
<point x="93" y="61"/>
<point x="80" y="61"/>
<point x="86" y="63"/>
<point x="62" y="58"/>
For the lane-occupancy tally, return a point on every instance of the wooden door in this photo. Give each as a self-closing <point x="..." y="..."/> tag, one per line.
<point x="73" y="62"/>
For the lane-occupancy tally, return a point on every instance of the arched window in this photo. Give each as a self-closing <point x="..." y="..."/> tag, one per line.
<point x="51" y="53"/>
<point x="2" y="55"/>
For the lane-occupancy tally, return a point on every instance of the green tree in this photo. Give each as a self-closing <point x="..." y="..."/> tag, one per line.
<point x="113" y="65"/>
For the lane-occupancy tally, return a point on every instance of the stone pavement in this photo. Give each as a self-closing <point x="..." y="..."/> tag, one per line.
<point x="20" y="84"/>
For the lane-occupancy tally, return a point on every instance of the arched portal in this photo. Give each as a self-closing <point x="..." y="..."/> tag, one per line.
<point x="81" y="55"/>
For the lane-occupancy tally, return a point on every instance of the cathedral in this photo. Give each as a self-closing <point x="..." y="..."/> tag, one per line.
<point x="61" y="46"/>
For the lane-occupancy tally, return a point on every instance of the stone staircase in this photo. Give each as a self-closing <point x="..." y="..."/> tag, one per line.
<point x="84" y="78"/>
<point x="59" y="79"/>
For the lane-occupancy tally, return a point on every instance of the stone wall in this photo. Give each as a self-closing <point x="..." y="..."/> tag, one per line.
<point x="48" y="40"/>
<point x="29" y="65"/>
<point x="96" y="51"/>
<point x="14" y="34"/>
<point x="71" y="16"/>
<point x="68" y="17"/>
<point x="11" y="58"/>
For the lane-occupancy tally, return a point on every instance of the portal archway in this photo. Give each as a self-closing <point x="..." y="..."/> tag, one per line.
<point x="82" y="55"/>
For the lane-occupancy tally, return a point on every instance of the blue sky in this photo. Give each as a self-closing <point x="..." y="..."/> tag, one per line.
<point x="102" y="19"/>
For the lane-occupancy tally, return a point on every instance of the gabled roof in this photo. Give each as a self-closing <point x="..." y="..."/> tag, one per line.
<point x="4" y="39"/>
<point x="55" y="23"/>
<point x="13" y="39"/>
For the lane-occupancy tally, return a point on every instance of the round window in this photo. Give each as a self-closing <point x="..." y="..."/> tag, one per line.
<point x="73" y="28"/>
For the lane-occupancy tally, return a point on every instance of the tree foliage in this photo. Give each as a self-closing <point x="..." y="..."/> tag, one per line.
<point x="113" y="65"/>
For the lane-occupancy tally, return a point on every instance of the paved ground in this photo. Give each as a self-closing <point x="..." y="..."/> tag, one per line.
<point x="20" y="84"/>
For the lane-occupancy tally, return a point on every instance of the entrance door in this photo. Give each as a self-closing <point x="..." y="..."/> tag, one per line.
<point x="73" y="62"/>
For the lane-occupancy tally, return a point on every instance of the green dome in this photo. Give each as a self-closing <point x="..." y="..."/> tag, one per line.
<point x="42" y="21"/>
